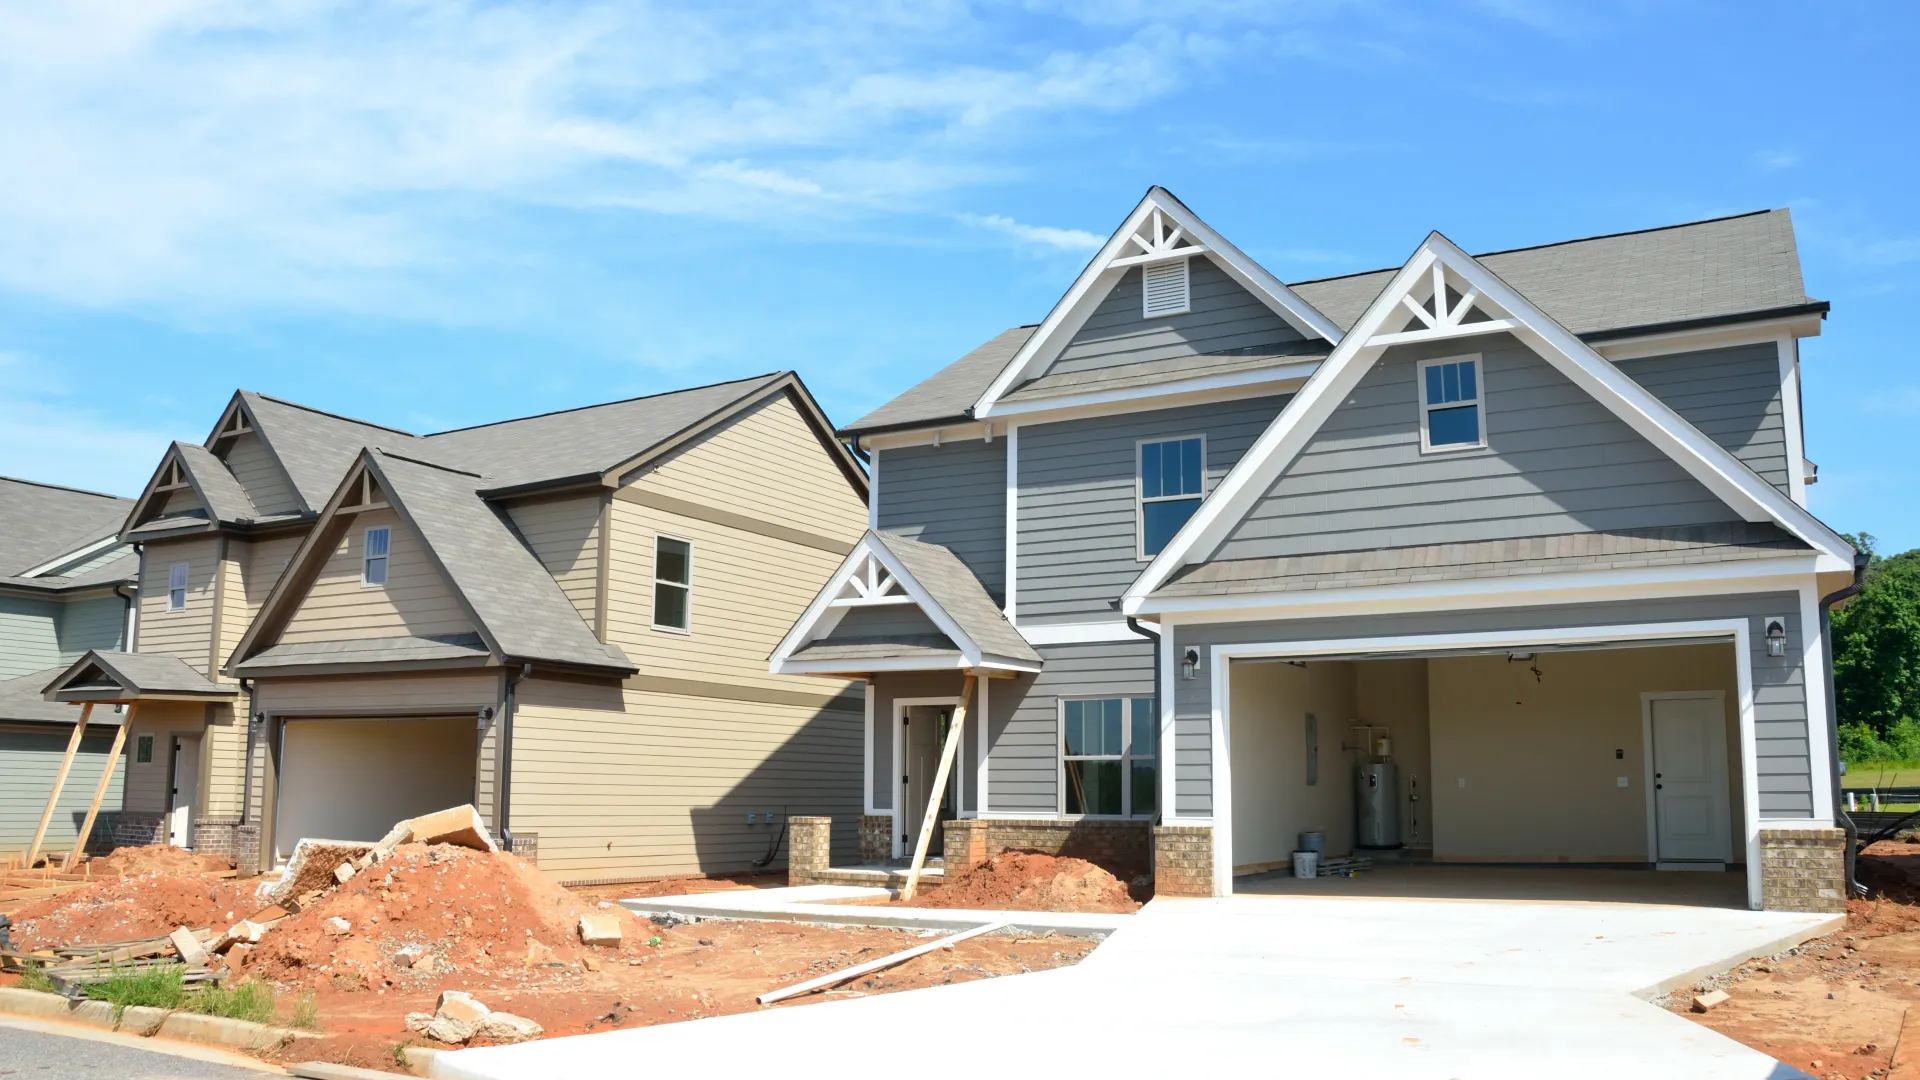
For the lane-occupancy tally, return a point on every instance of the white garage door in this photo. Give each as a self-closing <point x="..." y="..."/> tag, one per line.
<point x="352" y="779"/>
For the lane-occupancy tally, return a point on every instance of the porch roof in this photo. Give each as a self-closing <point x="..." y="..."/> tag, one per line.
<point x="109" y="676"/>
<point x="446" y="650"/>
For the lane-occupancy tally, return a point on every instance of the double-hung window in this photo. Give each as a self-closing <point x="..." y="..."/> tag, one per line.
<point x="672" y="584"/>
<point x="1171" y="482"/>
<point x="373" y="561"/>
<point x="1452" y="415"/>
<point x="1107" y="757"/>
<point x="177" y="587"/>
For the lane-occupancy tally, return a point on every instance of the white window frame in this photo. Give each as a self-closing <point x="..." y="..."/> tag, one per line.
<point x="178" y="572"/>
<point x="653" y="615"/>
<point x="1479" y="402"/>
<point x="366" y="557"/>
<point x="1140" y="499"/>
<point x="1184" y="264"/>
<point x="1126" y="758"/>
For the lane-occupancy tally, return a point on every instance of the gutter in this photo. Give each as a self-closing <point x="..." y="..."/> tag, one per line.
<point x="506" y="754"/>
<point x="1840" y="818"/>
<point x="1161" y="758"/>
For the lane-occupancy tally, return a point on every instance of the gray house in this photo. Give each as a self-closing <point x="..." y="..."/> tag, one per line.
<point x="1479" y="559"/>
<point x="66" y="586"/>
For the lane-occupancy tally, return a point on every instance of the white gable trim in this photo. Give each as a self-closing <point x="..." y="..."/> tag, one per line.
<point x="1438" y="260"/>
<point x="867" y="557"/>
<point x="1119" y="254"/>
<point x="77" y="555"/>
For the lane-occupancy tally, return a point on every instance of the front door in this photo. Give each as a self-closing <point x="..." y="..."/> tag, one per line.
<point x="1691" y="818"/>
<point x="924" y="729"/>
<point x="185" y="771"/>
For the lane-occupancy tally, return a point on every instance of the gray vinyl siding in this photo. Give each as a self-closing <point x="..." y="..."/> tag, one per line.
<point x="30" y="756"/>
<point x="1732" y="395"/>
<point x="29" y="636"/>
<point x="1557" y="462"/>
<point x="889" y="688"/>
<point x="1224" y="317"/>
<point x="1779" y="682"/>
<point x="1023" y="763"/>
<point x="890" y="622"/>
<point x="1079" y="539"/>
<point x="954" y="495"/>
<point x="97" y="623"/>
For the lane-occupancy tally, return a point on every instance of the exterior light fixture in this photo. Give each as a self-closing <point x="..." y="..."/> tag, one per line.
<point x="1776" y="635"/>
<point x="1189" y="662"/>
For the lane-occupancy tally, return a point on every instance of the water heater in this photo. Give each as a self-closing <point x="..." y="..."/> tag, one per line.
<point x="1377" y="801"/>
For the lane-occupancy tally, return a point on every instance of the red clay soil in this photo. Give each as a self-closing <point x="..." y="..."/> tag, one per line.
<point x="1835" y="1007"/>
<point x="1029" y="881"/>
<point x="146" y="905"/>
<point x="679" y="886"/>
<point x="155" y="859"/>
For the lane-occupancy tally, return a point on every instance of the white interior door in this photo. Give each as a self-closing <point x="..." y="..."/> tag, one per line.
<point x="1691" y="819"/>
<point x="185" y="793"/>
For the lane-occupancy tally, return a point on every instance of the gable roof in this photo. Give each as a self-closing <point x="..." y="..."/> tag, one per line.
<point x="314" y="447"/>
<point x="1437" y="265"/>
<point x="973" y="631"/>
<point x="107" y="675"/>
<point x="23" y="698"/>
<point x="1617" y="285"/>
<point x="43" y="522"/>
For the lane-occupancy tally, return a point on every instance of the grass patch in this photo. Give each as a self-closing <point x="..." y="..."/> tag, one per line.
<point x="34" y="977"/>
<point x="158" y="987"/>
<point x="1881" y="774"/>
<point x="251" y="1001"/>
<point x="306" y="1013"/>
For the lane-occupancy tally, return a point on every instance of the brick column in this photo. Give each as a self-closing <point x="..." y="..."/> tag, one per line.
<point x="965" y="844"/>
<point x="1803" y="870"/>
<point x="809" y="848"/>
<point x="1183" y="860"/>
<point x="876" y="838"/>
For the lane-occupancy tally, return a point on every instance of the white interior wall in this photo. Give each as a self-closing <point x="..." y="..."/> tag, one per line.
<point x="352" y="779"/>
<point x="1272" y="802"/>
<point x="1393" y="694"/>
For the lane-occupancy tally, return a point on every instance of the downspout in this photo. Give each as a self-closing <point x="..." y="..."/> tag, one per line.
<point x="246" y="772"/>
<point x="1860" y="560"/>
<point x="1161" y="759"/>
<point x="127" y="623"/>
<point x="506" y="754"/>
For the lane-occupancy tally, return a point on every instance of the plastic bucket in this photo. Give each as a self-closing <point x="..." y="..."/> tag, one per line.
<point x="1306" y="864"/>
<point x="1315" y="842"/>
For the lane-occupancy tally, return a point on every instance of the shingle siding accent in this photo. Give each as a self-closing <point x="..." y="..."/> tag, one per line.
<point x="1732" y="395"/>
<point x="1779" y="682"/>
<point x="1558" y="462"/>
<point x="1079" y="543"/>
<point x="954" y="495"/>
<point x="1224" y="317"/>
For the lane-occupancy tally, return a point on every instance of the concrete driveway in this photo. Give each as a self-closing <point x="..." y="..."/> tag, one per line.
<point x="1282" y="984"/>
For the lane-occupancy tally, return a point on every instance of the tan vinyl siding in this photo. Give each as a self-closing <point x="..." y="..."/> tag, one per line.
<point x="634" y="784"/>
<point x="146" y="785"/>
<point x="766" y="463"/>
<point x="266" y="560"/>
<point x="265" y="481"/>
<point x="416" y="599"/>
<point x="564" y="535"/>
<point x="188" y="633"/>
<point x="181" y="501"/>
<point x="226" y="761"/>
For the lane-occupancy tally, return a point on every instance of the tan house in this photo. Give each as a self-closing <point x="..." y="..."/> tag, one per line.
<point x="563" y="619"/>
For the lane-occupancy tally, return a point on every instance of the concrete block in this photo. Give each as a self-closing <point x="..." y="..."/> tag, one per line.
<point x="221" y="1031"/>
<point x="460" y="1005"/>
<point x="32" y="1003"/>
<point x="1710" y="1000"/>
<point x="93" y="1014"/>
<point x="600" y="929"/>
<point x="418" y="1059"/>
<point x="344" y="873"/>
<point x="460" y="825"/>
<point x="142" y="1019"/>
<point x="192" y="953"/>
<point x="337" y="926"/>
<point x="507" y="1028"/>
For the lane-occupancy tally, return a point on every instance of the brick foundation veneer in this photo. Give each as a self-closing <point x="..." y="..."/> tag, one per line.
<point x="1183" y="860"/>
<point x="230" y="837"/>
<point x="876" y="838"/>
<point x="1120" y="847"/>
<point x="135" y="829"/>
<point x="964" y="844"/>
<point x="809" y="849"/>
<point x="1803" y="870"/>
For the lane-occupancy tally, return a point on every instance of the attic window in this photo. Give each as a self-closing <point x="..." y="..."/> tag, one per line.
<point x="373" y="565"/>
<point x="1165" y="289"/>
<point x="177" y="587"/>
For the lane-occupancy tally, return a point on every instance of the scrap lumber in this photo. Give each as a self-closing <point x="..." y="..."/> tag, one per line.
<point x="59" y="781"/>
<point x="854" y="972"/>
<point x="931" y="819"/>
<point x="107" y="770"/>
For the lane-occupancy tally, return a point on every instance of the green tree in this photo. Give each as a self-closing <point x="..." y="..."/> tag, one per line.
<point x="1876" y="667"/>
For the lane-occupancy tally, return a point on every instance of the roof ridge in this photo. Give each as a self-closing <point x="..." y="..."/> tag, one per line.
<point x="769" y="376"/>
<point x="1552" y="244"/>
<point x="64" y="487"/>
<point x="331" y="415"/>
<point x="443" y="467"/>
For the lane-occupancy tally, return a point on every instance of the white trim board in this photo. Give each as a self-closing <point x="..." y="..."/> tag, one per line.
<point x="1435" y="260"/>
<point x="1220" y="737"/>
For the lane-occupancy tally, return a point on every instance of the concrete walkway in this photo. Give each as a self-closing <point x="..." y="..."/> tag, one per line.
<point x="1349" y="987"/>
<point x="860" y="905"/>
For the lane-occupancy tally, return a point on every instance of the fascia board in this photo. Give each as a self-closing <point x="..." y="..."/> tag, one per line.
<point x="147" y="493"/>
<point x="802" y="630"/>
<point x="855" y="668"/>
<point x="77" y="555"/>
<point x="1154" y="397"/>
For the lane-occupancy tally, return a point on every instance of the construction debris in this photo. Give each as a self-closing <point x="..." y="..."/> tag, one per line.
<point x="459" y="1017"/>
<point x="603" y="929"/>
<point x="460" y="826"/>
<point x="189" y="947"/>
<point x="1710" y="1000"/>
<point x="1347" y="867"/>
<point x="854" y="972"/>
<point x="311" y="867"/>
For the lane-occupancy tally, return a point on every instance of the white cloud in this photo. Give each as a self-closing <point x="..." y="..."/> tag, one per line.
<point x="1771" y="160"/>
<point x="1047" y="236"/>
<point x="54" y="429"/>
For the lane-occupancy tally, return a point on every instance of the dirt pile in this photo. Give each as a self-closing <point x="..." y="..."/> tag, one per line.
<point x="144" y="905"/>
<point x="156" y="859"/>
<point x="430" y="910"/>
<point x="1029" y="881"/>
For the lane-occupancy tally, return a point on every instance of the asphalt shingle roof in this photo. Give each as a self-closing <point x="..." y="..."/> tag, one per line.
<point x="41" y="522"/>
<point x="139" y="674"/>
<point x="22" y="698"/>
<point x="316" y="447"/>
<point x="304" y="654"/>
<point x="951" y="585"/>
<point x="226" y="499"/>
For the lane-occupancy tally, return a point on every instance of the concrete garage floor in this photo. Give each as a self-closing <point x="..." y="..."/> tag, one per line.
<point x="1348" y="987"/>
<point x="1537" y="884"/>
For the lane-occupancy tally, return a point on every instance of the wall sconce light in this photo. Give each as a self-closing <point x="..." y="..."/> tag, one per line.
<point x="482" y="717"/>
<point x="1189" y="662"/>
<point x="1776" y="635"/>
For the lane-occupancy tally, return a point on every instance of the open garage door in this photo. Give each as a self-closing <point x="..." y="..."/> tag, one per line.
<point x="352" y="779"/>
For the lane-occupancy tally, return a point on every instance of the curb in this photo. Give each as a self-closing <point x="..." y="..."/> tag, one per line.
<point x="1718" y="967"/>
<point x="140" y="1020"/>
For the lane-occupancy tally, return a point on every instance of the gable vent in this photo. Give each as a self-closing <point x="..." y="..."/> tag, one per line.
<point x="1166" y="290"/>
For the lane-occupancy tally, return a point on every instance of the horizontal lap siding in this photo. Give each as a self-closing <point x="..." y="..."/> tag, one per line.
<point x="187" y="634"/>
<point x="99" y="623"/>
<point x="1559" y="462"/>
<point x="564" y="535"/>
<point x="631" y="784"/>
<point x="1224" y="317"/>
<point x="954" y="495"/>
<point x="1078" y="543"/>
<point x="29" y="636"/>
<point x="889" y="688"/>
<point x="1780" y="703"/>
<point x="1023" y="770"/>
<point x="416" y="600"/>
<point x="30" y="756"/>
<point x="146" y="785"/>
<point x="1732" y="395"/>
<point x="261" y="476"/>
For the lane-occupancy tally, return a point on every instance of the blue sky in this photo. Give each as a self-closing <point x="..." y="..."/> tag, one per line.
<point x="437" y="214"/>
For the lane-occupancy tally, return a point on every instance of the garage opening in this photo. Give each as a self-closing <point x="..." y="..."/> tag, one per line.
<point x="351" y="779"/>
<point x="1466" y="774"/>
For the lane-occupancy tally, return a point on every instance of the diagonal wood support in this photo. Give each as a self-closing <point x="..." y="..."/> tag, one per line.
<point x="59" y="781"/>
<point x="930" y="820"/>
<point x="100" y="790"/>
